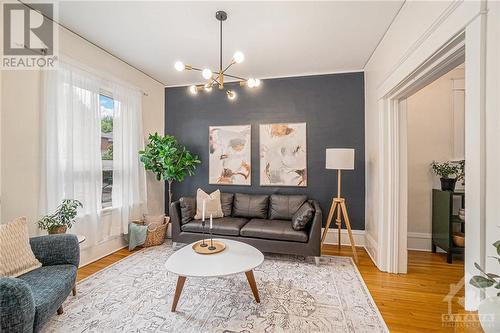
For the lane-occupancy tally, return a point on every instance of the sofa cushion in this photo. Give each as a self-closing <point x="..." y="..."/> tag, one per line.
<point x="229" y="226"/>
<point x="250" y="205"/>
<point x="282" y="207"/>
<point x="226" y="201"/>
<point x="303" y="216"/>
<point x="188" y="209"/>
<point x="50" y="285"/>
<point x="273" y="229"/>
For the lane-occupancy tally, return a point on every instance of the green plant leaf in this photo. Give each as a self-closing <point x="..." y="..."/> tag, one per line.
<point x="479" y="281"/>
<point x="497" y="246"/>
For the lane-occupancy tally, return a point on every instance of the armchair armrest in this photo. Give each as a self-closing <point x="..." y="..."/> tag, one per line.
<point x="57" y="249"/>
<point x="17" y="308"/>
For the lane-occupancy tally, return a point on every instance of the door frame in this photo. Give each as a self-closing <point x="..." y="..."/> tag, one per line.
<point x="467" y="46"/>
<point x="394" y="226"/>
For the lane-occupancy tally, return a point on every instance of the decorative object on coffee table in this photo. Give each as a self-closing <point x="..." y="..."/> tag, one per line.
<point x="202" y="243"/>
<point x="211" y="247"/>
<point x="198" y="248"/>
<point x="168" y="160"/>
<point x="340" y="159"/>
<point x="62" y="219"/>
<point x="235" y="259"/>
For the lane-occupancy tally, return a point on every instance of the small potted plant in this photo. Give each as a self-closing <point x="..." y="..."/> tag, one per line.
<point x="449" y="172"/>
<point x="62" y="219"/>
<point x="489" y="308"/>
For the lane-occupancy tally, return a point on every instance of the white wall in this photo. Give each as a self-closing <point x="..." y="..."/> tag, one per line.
<point x="418" y="31"/>
<point x="20" y="130"/>
<point x="431" y="137"/>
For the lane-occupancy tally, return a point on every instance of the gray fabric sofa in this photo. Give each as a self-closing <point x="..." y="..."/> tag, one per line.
<point x="267" y="226"/>
<point x="28" y="301"/>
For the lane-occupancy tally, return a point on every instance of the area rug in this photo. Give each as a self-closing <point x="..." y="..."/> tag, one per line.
<point x="135" y="295"/>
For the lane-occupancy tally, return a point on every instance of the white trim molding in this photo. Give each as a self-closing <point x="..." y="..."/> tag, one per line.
<point x="419" y="241"/>
<point x="332" y="237"/>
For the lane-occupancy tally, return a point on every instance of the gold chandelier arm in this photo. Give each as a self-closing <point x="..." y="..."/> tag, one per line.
<point x="230" y="64"/>
<point x="235" y="77"/>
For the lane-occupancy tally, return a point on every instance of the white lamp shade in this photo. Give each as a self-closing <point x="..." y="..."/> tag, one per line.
<point x="340" y="158"/>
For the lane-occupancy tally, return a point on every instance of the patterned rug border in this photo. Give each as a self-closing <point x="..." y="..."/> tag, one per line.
<point x="379" y="314"/>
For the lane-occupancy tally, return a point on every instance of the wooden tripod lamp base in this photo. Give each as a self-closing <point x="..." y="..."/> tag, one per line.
<point x="338" y="204"/>
<point x="339" y="159"/>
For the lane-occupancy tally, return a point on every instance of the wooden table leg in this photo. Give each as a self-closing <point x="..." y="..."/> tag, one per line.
<point x="178" y="291"/>
<point x="74" y="290"/>
<point x="253" y="285"/>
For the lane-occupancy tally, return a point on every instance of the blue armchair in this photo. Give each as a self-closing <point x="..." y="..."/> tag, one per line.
<point x="28" y="301"/>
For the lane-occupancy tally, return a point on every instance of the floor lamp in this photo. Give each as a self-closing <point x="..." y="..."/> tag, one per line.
<point x="339" y="159"/>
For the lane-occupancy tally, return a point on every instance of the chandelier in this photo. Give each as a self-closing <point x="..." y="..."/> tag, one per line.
<point x="216" y="79"/>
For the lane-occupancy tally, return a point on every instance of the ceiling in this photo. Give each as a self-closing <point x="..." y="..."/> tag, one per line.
<point x="278" y="38"/>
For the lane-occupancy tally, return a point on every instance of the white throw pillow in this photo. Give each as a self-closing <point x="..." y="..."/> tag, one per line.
<point x="16" y="256"/>
<point x="212" y="205"/>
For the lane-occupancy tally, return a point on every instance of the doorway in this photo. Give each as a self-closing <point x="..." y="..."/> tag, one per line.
<point x="435" y="146"/>
<point x="466" y="47"/>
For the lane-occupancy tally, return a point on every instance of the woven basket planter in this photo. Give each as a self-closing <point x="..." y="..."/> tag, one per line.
<point x="155" y="236"/>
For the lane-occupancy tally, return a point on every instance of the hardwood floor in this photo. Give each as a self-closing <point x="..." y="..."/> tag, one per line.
<point x="413" y="302"/>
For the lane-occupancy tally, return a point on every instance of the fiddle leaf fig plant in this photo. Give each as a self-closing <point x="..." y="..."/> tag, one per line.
<point x="487" y="280"/>
<point x="168" y="160"/>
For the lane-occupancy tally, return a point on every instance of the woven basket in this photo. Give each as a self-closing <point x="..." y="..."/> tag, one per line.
<point x="157" y="235"/>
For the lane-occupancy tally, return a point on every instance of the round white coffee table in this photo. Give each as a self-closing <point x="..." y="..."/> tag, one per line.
<point x="236" y="258"/>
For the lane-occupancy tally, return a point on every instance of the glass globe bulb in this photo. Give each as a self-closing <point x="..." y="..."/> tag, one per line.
<point x="179" y="66"/>
<point x="257" y="82"/>
<point x="231" y="95"/>
<point x="238" y="57"/>
<point x="251" y="83"/>
<point x="193" y="90"/>
<point x="208" y="87"/>
<point x="206" y="73"/>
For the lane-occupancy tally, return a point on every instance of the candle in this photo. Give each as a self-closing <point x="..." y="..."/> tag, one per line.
<point x="203" y="212"/>
<point x="210" y="221"/>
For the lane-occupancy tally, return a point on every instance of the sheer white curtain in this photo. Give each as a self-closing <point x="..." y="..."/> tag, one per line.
<point x="71" y="151"/>
<point x="129" y="176"/>
<point x="71" y="154"/>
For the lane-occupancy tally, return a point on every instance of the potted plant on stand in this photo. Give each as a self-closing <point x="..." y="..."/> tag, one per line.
<point x="449" y="172"/>
<point x="62" y="219"/>
<point x="168" y="160"/>
<point x="489" y="308"/>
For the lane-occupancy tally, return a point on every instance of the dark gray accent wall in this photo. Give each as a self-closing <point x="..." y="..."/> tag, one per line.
<point x="331" y="105"/>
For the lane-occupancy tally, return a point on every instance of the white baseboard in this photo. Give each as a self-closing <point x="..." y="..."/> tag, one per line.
<point x="101" y="250"/>
<point x="332" y="237"/>
<point x="419" y="241"/>
<point x="371" y="248"/>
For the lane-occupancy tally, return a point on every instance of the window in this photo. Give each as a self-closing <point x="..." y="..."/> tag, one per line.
<point x="106" y="108"/>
